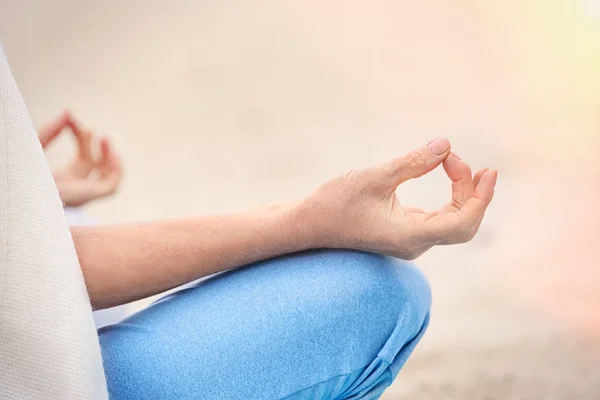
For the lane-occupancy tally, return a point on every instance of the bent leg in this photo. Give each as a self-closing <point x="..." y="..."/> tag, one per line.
<point x="321" y="324"/>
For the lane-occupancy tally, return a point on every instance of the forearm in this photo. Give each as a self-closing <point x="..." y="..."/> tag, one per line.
<point x="129" y="262"/>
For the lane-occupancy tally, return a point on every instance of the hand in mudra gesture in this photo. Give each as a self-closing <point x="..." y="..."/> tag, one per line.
<point x="86" y="177"/>
<point x="360" y="209"/>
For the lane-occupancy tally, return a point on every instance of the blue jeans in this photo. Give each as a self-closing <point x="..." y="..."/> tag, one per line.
<point x="328" y="324"/>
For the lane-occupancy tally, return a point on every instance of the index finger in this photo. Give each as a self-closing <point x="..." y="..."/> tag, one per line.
<point x="475" y="207"/>
<point x="461" y="225"/>
<point x="82" y="136"/>
<point x="459" y="173"/>
<point x="49" y="132"/>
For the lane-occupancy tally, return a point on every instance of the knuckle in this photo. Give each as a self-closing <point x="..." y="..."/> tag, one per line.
<point x="414" y="160"/>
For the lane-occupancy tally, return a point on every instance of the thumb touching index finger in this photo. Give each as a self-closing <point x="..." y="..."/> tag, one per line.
<point x="418" y="162"/>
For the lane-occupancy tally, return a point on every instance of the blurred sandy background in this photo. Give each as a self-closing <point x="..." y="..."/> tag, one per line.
<point x="226" y="105"/>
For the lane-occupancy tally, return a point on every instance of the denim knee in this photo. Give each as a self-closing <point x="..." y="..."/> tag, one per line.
<point x="378" y="280"/>
<point x="374" y="312"/>
<point x="411" y="295"/>
<point x="392" y="294"/>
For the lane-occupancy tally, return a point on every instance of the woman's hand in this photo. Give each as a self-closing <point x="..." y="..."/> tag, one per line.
<point x="357" y="211"/>
<point x="86" y="177"/>
<point x="360" y="210"/>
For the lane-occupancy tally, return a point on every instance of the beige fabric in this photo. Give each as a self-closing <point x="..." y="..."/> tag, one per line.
<point x="48" y="345"/>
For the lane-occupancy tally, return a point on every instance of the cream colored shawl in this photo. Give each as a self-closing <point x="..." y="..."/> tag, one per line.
<point x="48" y="344"/>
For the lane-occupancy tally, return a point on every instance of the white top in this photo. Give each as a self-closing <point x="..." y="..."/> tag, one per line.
<point x="48" y="343"/>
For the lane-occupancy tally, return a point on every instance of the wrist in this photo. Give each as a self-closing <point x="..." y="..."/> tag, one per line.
<point x="308" y="225"/>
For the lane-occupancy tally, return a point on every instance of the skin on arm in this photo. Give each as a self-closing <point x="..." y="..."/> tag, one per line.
<point x="359" y="210"/>
<point x="129" y="262"/>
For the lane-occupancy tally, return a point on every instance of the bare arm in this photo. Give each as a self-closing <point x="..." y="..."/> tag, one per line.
<point x="358" y="210"/>
<point x="130" y="262"/>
